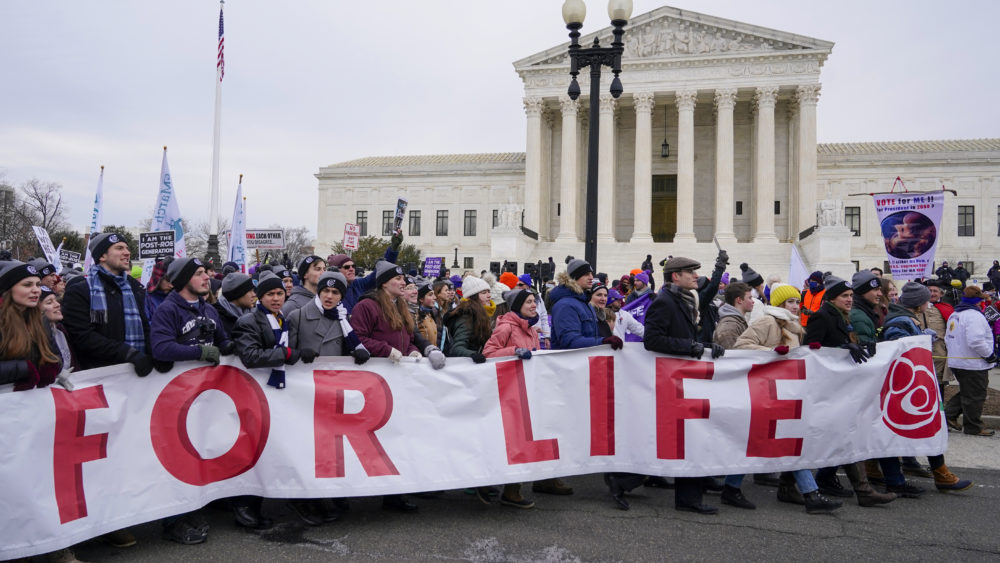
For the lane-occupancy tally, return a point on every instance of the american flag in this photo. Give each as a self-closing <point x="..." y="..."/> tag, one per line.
<point x="220" y="64"/>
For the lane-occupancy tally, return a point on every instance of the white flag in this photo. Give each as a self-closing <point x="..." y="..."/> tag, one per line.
<point x="238" y="233"/>
<point x="797" y="272"/>
<point x="96" y="220"/>
<point x="166" y="217"/>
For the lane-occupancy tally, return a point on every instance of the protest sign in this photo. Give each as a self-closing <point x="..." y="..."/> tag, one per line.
<point x="910" y="223"/>
<point x="265" y="239"/>
<point x="51" y="255"/>
<point x="352" y="236"/>
<point x="156" y="245"/>
<point x="432" y="266"/>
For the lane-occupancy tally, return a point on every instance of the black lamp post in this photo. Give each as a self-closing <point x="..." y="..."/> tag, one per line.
<point x="665" y="147"/>
<point x="574" y="11"/>
<point x="455" y="265"/>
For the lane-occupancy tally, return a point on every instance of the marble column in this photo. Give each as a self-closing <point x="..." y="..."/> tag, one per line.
<point x="685" y="100"/>
<point x="606" y="170"/>
<point x="765" y="99"/>
<point x="725" y="102"/>
<point x="569" y="165"/>
<point x="533" y="164"/>
<point x="807" y="95"/>
<point x="642" y="230"/>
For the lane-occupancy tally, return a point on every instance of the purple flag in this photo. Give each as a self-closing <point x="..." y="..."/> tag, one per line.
<point x="638" y="310"/>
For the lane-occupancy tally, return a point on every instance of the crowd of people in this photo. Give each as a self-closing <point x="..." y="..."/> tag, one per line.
<point x="274" y="316"/>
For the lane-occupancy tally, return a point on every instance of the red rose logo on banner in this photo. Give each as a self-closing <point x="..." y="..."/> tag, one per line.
<point x="909" y="398"/>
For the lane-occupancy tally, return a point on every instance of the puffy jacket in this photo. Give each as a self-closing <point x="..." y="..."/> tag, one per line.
<point x="463" y="340"/>
<point x="376" y="333"/>
<point x="255" y="342"/>
<point x="511" y="332"/>
<point x="969" y="338"/>
<point x="828" y="327"/>
<point x="864" y="319"/>
<point x="180" y="328"/>
<point x="574" y="322"/>
<point x="899" y="323"/>
<point x="101" y="343"/>
<point x="300" y="297"/>
<point x="778" y="327"/>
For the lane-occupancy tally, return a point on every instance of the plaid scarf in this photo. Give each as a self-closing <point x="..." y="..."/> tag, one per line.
<point x="159" y="270"/>
<point x="134" y="335"/>
<point x="280" y="331"/>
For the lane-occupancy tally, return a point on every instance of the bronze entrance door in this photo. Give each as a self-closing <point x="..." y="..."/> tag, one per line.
<point x="663" y="208"/>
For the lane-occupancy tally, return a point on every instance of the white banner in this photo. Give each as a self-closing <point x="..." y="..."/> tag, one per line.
<point x="120" y="450"/>
<point x="166" y="217"/>
<point x="910" y="223"/>
<point x="51" y="254"/>
<point x="237" y="243"/>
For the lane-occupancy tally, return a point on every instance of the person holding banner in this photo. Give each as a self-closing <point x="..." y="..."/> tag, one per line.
<point x="236" y="298"/>
<point x="58" y="340"/>
<point x="309" y="270"/>
<point x="428" y="319"/>
<point x="323" y="326"/>
<point x="26" y="357"/>
<point x="524" y="281"/>
<point x="469" y="324"/>
<point x="574" y="322"/>
<point x="625" y="322"/>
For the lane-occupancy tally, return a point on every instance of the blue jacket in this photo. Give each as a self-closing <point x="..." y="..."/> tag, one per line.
<point x="899" y="323"/>
<point x="574" y="321"/>
<point x="153" y="300"/>
<point x="362" y="285"/>
<point x="178" y="329"/>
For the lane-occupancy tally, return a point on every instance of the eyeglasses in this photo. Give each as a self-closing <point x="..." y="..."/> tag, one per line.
<point x="347" y="267"/>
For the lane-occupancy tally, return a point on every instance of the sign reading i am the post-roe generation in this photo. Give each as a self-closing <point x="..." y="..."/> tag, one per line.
<point x="155" y="245"/>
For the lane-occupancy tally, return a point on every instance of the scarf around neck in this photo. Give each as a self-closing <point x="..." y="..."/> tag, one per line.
<point x="280" y="330"/>
<point x="134" y="334"/>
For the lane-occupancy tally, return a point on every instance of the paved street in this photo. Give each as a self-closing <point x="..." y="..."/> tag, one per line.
<point x="586" y="527"/>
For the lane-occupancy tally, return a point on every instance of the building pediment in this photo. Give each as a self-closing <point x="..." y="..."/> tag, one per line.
<point x="670" y="34"/>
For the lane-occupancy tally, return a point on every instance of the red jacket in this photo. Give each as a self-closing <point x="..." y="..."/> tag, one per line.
<point x="511" y="332"/>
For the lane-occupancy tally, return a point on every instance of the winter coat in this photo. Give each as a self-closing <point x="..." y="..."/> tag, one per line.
<point x="255" y="341"/>
<point x="670" y="323"/>
<point x="357" y="289"/>
<point x="633" y="295"/>
<point x="969" y="336"/>
<point x="180" y="328"/>
<point x="300" y="297"/>
<point x="375" y="332"/>
<point x="228" y="313"/>
<point x="625" y="324"/>
<point x="778" y="327"/>
<point x="865" y="320"/>
<point x="309" y="328"/>
<point x="574" y="322"/>
<point x="429" y="324"/>
<point x="933" y="318"/>
<point x="153" y="300"/>
<point x="511" y="332"/>
<point x="828" y="327"/>
<point x="98" y="344"/>
<point x="900" y="322"/>
<point x="460" y="323"/>
<point x="732" y="323"/>
<point x="17" y="371"/>
<point x="813" y="302"/>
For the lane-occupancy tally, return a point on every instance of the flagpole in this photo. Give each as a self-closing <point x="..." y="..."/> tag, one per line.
<point x="213" y="217"/>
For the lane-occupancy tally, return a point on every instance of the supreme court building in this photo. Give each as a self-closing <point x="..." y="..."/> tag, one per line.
<point x="737" y="105"/>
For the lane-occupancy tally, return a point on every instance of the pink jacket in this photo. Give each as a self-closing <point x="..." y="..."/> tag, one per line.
<point x="511" y="332"/>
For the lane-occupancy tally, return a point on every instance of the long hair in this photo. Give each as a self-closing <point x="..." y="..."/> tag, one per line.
<point x="480" y="320"/>
<point x="398" y="313"/>
<point x="22" y="333"/>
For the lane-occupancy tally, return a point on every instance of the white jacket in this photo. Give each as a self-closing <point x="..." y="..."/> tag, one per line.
<point x="626" y="323"/>
<point x="968" y="336"/>
<point x="544" y="329"/>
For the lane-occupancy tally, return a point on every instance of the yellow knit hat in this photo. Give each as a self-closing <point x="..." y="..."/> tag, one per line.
<point x="783" y="292"/>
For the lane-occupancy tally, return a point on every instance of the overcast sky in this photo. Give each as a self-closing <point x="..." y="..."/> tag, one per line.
<point x="313" y="82"/>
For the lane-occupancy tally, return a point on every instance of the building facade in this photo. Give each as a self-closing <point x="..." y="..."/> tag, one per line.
<point x="736" y="105"/>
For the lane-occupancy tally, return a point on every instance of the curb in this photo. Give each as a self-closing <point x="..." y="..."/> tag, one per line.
<point x="991" y="421"/>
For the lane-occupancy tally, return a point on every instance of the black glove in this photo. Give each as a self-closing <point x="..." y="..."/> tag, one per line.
<point x="615" y="342"/>
<point x="696" y="349"/>
<point x="361" y="355"/>
<point x="308" y="355"/>
<point x="162" y="367"/>
<point x="142" y="363"/>
<point x="871" y="348"/>
<point x="722" y="260"/>
<point x="857" y="353"/>
<point x="397" y="240"/>
<point x="227" y="348"/>
<point x="293" y="356"/>
<point x="210" y="354"/>
<point x="717" y="351"/>
<point x="478" y="358"/>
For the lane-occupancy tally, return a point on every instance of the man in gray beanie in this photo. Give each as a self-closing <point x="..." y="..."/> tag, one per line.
<point x="864" y="315"/>
<point x="185" y="327"/>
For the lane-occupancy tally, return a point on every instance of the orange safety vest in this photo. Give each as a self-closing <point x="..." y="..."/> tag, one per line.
<point x="811" y="301"/>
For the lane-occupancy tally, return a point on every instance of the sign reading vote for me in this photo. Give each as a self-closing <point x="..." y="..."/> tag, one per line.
<point x="155" y="245"/>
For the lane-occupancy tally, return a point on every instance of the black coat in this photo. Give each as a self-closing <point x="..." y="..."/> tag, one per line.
<point x="828" y="327"/>
<point x="254" y="341"/>
<point x="670" y="326"/>
<point x="98" y="344"/>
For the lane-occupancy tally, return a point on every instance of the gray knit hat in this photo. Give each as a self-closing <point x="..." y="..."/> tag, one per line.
<point x="515" y="298"/>
<point x="268" y="281"/>
<point x="578" y="268"/>
<point x="236" y="285"/>
<point x="864" y="281"/>
<point x="13" y="271"/>
<point x="385" y="271"/>
<point x="914" y="295"/>
<point x="335" y="280"/>
<point x="750" y="277"/>
<point x="100" y="244"/>
<point x="43" y="266"/>
<point x="834" y="286"/>
<point x="181" y="270"/>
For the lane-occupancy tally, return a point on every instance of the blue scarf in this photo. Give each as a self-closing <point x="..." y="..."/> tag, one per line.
<point x="339" y="315"/>
<point x="280" y="330"/>
<point x="532" y="321"/>
<point x="134" y="335"/>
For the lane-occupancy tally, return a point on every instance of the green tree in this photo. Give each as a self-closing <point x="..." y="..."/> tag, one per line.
<point x="73" y="242"/>
<point x="372" y="249"/>
<point x="133" y="245"/>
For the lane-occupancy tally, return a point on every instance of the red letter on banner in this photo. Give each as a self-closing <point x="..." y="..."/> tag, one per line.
<point x="521" y="444"/>
<point x="672" y="409"/>
<point x="72" y="449"/>
<point x="766" y="409"/>
<point x="168" y="425"/>
<point x="332" y="425"/>
<point x="602" y="405"/>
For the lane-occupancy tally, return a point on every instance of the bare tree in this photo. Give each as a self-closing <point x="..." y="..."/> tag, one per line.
<point x="42" y="205"/>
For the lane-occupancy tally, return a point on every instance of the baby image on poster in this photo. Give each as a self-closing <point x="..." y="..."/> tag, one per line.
<point x="908" y="234"/>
